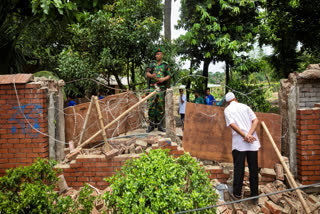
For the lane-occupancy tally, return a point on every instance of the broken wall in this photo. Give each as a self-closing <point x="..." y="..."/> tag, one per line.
<point x="206" y="135"/>
<point x="300" y="90"/>
<point x="111" y="107"/>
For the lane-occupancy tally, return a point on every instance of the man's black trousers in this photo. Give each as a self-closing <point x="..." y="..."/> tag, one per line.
<point x="238" y="171"/>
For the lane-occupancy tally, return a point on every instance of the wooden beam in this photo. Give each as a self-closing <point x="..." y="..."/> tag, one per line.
<point x="104" y="135"/>
<point x="117" y="119"/>
<point x="290" y="177"/>
<point x="85" y="121"/>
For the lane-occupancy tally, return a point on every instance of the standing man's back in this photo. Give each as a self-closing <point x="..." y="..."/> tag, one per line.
<point x="245" y="144"/>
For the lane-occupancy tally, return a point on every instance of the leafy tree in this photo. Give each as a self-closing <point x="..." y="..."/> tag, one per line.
<point x="287" y="25"/>
<point x="158" y="183"/>
<point x="218" y="30"/>
<point x="114" y="41"/>
<point x="33" y="31"/>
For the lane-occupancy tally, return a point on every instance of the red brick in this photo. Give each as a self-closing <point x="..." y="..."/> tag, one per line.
<point x="20" y="155"/>
<point x="89" y="174"/>
<point x="313" y="167"/>
<point x="306" y="173"/>
<point x="26" y="140"/>
<point x="305" y="142"/>
<point x="314" y="178"/>
<point x="273" y="207"/>
<point x="309" y="163"/>
<point x="96" y="178"/>
<point x="85" y="179"/>
<point x="313" y="137"/>
<point x="4" y="150"/>
<point x="314" y="147"/>
<point x="76" y="184"/>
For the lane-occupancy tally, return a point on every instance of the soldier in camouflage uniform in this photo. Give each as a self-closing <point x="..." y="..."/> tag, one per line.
<point x="158" y="73"/>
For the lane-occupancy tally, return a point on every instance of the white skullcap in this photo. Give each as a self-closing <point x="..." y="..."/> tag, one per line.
<point x="229" y="96"/>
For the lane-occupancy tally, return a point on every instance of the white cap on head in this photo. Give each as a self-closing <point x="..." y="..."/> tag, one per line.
<point x="229" y="96"/>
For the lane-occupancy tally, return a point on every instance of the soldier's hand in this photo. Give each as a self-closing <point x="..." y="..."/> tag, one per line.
<point x="161" y="80"/>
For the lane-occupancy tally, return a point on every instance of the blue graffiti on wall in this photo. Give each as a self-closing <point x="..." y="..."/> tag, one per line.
<point x="31" y="113"/>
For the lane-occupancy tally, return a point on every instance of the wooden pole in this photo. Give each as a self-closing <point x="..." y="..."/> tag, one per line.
<point x="290" y="177"/>
<point x="85" y="121"/>
<point x="101" y="124"/>
<point x="118" y="118"/>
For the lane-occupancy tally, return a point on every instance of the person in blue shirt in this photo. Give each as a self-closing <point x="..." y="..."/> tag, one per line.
<point x="209" y="99"/>
<point x="71" y="102"/>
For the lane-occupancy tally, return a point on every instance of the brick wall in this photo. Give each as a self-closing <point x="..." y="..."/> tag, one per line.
<point x="308" y="145"/>
<point x="309" y="93"/>
<point x="20" y="144"/>
<point x="93" y="169"/>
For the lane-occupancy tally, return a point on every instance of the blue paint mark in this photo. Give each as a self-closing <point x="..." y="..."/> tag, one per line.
<point x="31" y="113"/>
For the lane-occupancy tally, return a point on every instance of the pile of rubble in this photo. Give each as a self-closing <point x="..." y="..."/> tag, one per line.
<point x="98" y="204"/>
<point x="124" y="145"/>
<point x="270" y="180"/>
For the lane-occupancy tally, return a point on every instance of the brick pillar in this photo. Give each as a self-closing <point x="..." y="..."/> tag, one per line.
<point x="20" y="144"/>
<point x="308" y="145"/>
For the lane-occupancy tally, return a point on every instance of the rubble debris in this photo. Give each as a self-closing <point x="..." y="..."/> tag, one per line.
<point x="62" y="184"/>
<point x="279" y="171"/>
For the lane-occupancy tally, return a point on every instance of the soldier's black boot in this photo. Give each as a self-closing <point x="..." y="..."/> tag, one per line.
<point x="161" y="129"/>
<point x="150" y="128"/>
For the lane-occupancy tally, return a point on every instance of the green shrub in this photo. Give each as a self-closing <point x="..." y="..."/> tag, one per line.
<point x="159" y="183"/>
<point x="31" y="190"/>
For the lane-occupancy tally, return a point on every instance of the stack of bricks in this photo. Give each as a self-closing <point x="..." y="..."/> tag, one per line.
<point x="308" y="145"/>
<point x="20" y="142"/>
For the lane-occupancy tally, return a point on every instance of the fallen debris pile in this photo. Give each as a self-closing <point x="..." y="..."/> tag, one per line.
<point x="270" y="180"/>
<point x="125" y="145"/>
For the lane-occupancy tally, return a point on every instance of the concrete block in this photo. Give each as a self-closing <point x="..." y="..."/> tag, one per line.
<point x="267" y="172"/>
<point x="62" y="184"/>
<point x="138" y="150"/>
<point x="112" y="153"/>
<point x="132" y="149"/>
<point x="279" y="171"/>
<point x="142" y="144"/>
<point x="273" y="207"/>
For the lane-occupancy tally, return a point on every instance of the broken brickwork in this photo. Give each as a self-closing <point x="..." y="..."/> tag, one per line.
<point x="300" y="90"/>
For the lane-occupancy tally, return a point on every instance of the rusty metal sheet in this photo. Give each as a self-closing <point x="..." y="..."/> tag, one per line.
<point x="206" y="136"/>
<point x="111" y="107"/>
<point x="15" y="78"/>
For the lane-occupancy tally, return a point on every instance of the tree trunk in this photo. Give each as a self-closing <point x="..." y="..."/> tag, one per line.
<point x="205" y="73"/>
<point x="115" y="73"/>
<point x="167" y="19"/>
<point x="133" y="77"/>
<point x="189" y="81"/>
<point x="227" y="75"/>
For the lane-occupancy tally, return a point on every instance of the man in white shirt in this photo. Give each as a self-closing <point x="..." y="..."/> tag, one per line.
<point x="182" y="106"/>
<point x="245" y="143"/>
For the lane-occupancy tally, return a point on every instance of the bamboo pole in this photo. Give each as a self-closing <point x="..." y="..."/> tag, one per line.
<point x="290" y="177"/>
<point x="86" y="121"/>
<point x="118" y="118"/>
<point x="104" y="135"/>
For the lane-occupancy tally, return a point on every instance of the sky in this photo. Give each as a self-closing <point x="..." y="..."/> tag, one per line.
<point x="218" y="67"/>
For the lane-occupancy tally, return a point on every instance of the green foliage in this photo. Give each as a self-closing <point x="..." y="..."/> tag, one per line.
<point x="31" y="190"/>
<point x="158" y="183"/>
<point x="254" y="96"/>
<point x="287" y="25"/>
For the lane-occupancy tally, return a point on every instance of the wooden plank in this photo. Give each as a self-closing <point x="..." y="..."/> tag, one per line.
<point x="206" y="136"/>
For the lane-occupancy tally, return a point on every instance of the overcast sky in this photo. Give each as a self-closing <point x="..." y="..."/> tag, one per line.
<point x="218" y="67"/>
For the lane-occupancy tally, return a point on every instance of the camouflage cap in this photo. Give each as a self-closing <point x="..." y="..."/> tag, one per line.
<point x="158" y="49"/>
